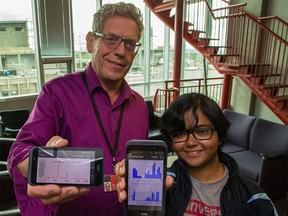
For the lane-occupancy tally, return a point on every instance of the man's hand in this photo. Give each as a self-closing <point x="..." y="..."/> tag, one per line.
<point x="51" y="193"/>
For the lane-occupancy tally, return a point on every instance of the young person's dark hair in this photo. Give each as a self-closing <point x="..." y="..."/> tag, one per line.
<point x="172" y="120"/>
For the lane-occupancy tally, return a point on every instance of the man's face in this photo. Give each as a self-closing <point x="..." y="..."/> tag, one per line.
<point x="110" y="64"/>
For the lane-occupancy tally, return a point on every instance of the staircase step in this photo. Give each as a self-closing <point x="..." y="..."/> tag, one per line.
<point x="227" y="70"/>
<point x="281" y="98"/>
<point x="282" y="108"/>
<point x="165" y="6"/>
<point x="274" y="83"/>
<point x="263" y="74"/>
<point x="273" y="80"/>
<point x="258" y="78"/>
<point x="269" y="93"/>
<point x="187" y="26"/>
<point x="225" y="58"/>
<point x="213" y="50"/>
<point x="281" y="95"/>
<point x="205" y="41"/>
<point x="253" y="68"/>
<point x="196" y="33"/>
<point x="245" y="70"/>
<point x="282" y="92"/>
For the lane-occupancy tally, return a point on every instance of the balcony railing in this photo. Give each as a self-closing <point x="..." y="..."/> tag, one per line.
<point x="212" y="87"/>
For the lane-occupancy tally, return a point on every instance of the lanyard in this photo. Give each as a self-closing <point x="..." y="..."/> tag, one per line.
<point x="96" y="111"/>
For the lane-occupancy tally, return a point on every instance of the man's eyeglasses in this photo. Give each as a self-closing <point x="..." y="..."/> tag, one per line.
<point x="198" y="134"/>
<point x="113" y="41"/>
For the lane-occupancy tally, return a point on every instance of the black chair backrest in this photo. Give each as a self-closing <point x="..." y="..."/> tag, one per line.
<point x="153" y="120"/>
<point x="14" y="119"/>
<point x="5" y="145"/>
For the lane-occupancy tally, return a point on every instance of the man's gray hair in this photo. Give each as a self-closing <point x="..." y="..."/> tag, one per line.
<point x="117" y="9"/>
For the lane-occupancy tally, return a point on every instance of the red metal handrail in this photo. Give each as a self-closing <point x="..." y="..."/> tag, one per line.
<point x="276" y="25"/>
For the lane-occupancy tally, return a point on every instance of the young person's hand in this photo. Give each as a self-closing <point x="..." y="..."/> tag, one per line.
<point x="121" y="184"/>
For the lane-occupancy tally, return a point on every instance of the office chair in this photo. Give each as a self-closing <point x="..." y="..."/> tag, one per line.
<point x="8" y="202"/>
<point x="12" y="120"/>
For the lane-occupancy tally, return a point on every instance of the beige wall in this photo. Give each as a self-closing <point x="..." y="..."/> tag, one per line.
<point x="254" y="7"/>
<point x="277" y="8"/>
<point x="263" y="111"/>
<point x="241" y="97"/>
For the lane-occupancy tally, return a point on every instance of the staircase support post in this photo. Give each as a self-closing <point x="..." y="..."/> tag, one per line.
<point x="178" y="42"/>
<point x="226" y="91"/>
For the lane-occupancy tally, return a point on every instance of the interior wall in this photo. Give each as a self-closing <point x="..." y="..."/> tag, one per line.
<point x="277" y="8"/>
<point x="241" y="97"/>
<point x="254" y="7"/>
<point x="264" y="112"/>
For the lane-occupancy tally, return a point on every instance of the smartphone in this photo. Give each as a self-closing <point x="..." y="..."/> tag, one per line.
<point x="67" y="166"/>
<point x="145" y="165"/>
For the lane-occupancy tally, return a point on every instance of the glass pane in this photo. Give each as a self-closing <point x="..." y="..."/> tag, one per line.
<point x="193" y="67"/>
<point x="82" y="24"/>
<point x="138" y="88"/>
<point x="171" y="55"/>
<point x="18" y="74"/>
<point x="54" y="70"/>
<point x="54" y="27"/>
<point x="157" y="48"/>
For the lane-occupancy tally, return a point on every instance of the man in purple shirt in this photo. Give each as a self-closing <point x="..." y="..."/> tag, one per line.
<point x="63" y="115"/>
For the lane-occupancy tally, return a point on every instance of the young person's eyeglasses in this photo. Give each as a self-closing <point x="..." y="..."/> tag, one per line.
<point x="198" y="134"/>
<point x="113" y="41"/>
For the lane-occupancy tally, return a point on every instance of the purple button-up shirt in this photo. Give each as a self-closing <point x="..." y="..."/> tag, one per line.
<point x="63" y="108"/>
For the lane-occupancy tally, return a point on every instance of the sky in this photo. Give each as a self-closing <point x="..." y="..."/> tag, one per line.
<point x="15" y="9"/>
<point x="23" y="11"/>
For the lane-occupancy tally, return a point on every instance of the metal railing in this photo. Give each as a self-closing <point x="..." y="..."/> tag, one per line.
<point x="212" y="87"/>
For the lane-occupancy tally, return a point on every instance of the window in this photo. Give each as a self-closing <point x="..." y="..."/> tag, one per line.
<point x="82" y="24"/>
<point x="35" y="51"/>
<point x="55" y="28"/>
<point x="19" y="29"/>
<point x="18" y="73"/>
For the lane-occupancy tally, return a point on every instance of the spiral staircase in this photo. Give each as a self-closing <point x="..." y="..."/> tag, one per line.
<point x="237" y="43"/>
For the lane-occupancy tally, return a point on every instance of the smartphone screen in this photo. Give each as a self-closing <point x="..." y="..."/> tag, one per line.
<point x="66" y="166"/>
<point x="145" y="176"/>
